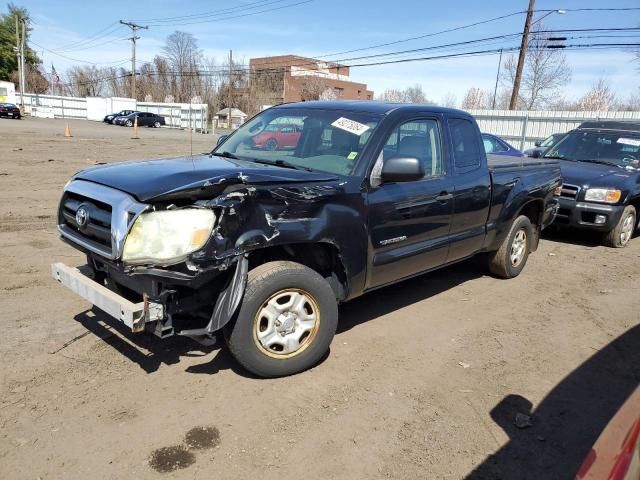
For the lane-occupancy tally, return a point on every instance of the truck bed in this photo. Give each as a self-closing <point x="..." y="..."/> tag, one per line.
<point x="500" y="162"/>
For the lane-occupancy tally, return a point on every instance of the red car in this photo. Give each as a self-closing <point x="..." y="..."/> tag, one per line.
<point x="616" y="454"/>
<point x="274" y="137"/>
<point x="9" y="110"/>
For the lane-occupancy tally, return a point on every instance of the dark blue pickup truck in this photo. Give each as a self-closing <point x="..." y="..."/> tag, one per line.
<point x="264" y="244"/>
<point x="600" y="163"/>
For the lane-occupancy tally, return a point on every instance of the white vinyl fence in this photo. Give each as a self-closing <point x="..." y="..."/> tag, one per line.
<point x="177" y="115"/>
<point x="523" y="129"/>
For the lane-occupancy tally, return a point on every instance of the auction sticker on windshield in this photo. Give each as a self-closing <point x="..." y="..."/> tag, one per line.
<point x="629" y="141"/>
<point x="350" y="126"/>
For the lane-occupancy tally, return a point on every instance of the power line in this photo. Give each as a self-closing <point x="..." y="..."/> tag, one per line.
<point x="75" y="59"/>
<point x="246" y="6"/>
<point x="134" y="28"/>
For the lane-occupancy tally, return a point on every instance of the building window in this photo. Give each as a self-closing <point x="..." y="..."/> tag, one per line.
<point x="338" y="91"/>
<point x="359" y="92"/>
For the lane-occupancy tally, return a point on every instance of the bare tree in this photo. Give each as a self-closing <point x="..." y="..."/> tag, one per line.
<point x="312" y="88"/>
<point x="631" y="103"/>
<point x="599" y="98"/>
<point x="545" y="72"/>
<point x="415" y="94"/>
<point x="392" y="95"/>
<point x="474" y="99"/>
<point x="449" y="100"/>
<point x="87" y="81"/>
<point x="182" y="55"/>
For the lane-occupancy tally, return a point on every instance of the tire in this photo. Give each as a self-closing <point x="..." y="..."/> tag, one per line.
<point x="506" y="262"/>
<point x="619" y="236"/>
<point x="129" y="123"/>
<point x="271" y="144"/>
<point x="268" y="285"/>
<point x="156" y="124"/>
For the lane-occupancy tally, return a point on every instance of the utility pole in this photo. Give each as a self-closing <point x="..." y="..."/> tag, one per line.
<point x="521" y="57"/>
<point x="495" y="90"/>
<point x="19" y="58"/>
<point x="23" y="77"/>
<point x="133" y="27"/>
<point x="230" y="89"/>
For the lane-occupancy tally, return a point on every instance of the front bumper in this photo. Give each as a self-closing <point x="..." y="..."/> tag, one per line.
<point x="133" y="315"/>
<point x="594" y="216"/>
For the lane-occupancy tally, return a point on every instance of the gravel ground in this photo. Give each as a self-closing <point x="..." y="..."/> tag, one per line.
<point x="425" y="379"/>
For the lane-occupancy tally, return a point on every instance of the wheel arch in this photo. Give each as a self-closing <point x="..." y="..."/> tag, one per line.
<point x="322" y="257"/>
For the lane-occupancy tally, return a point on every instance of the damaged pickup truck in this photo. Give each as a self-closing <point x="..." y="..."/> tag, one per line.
<point x="263" y="240"/>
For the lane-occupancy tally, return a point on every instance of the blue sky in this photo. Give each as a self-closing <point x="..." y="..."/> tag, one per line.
<point x="320" y="27"/>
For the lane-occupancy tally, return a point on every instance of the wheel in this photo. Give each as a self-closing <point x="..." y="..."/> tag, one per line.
<point x="286" y="320"/>
<point x="156" y="124"/>
<point x="620" y="235"/>
<point x="129" y="123"/>
<point x="271" y="144"/>
<point x="509" y="260"/>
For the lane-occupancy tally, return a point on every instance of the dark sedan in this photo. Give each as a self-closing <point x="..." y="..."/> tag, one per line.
<point x="542" y="147"/>
<point x="9" y="110"/>
<point x="145" y="119"/>
<point x="122" y="113"/>
<point x="497" y="146"/>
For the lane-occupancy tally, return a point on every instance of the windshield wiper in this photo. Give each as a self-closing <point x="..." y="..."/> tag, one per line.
<point x="557" y="157"/>
<point x="281" y="163"/>
<point x="226" y="155"/>
<point x="602" y="162"/>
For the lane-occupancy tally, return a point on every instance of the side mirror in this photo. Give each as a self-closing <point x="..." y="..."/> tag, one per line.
<point x="221" y="139"/>
<point x="402" y="169"/>
<point x="537" y="144"/>
<point x="536" y="154"/>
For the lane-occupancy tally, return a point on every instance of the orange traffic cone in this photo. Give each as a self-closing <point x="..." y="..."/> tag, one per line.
<point x="135" y="129"/>
<point x="67" y="131"/>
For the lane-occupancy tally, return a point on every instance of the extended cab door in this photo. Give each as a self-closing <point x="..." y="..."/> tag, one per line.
<point x="409" y="221"/>
<point x="472" y="194"/>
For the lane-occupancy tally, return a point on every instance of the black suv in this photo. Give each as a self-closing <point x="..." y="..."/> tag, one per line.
<point x="600" y="163"/>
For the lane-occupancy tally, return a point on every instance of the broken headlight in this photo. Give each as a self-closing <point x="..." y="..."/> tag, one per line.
<point x="168" y="236"/>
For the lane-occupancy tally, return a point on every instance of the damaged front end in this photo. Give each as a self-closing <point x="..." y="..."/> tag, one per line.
<point x="192" y="285"/>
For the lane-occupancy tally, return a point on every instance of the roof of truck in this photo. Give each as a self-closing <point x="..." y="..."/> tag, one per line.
<point x="628" y="126"/>
<point x="371" y="106"/>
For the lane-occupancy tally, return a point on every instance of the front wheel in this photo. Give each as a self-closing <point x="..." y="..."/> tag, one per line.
<point x="509" y="260"/>
<point x="271" y="144"/>
<point x="286" y="320"/>
<point x="129" y="123"/>
<point x="156" y="125"/>
<point x="620" y="235"/>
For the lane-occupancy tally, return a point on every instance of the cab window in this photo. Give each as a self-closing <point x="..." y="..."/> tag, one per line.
<point x="419" y="139"/>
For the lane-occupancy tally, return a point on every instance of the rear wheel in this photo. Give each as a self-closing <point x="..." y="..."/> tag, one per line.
<point x="509" y="260"/>
<point x="620" y="235"/>
<point x="271" y="144"/>
<point x="286" y="321"/>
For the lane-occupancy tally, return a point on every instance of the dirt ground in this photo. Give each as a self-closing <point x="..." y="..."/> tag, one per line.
<point x="424" y="379"/>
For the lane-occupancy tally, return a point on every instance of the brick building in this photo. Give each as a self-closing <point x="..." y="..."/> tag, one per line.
<point x="290" y="78"/>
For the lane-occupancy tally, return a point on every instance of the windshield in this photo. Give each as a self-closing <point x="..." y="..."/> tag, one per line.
<point x="619" y="149"/>
<point x="550" y="140"/>
<point x="324" y="140"/>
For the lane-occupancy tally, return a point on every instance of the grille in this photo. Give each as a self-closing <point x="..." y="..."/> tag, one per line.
<point x="98" y="220"/>
<point x="569" y="191"/>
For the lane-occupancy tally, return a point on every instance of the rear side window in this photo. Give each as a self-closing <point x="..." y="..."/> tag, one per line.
<point x="466" y="148"/>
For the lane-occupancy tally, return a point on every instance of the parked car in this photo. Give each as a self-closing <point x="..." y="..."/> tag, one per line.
<point x="274" y="137"/>
<point x="265" y="244"/>
<point x="497" y="146"/>
<point x="145" y="119"/>
<point x="541" y="147"/>
<point x="600" y="163"/>
<point x="9" y="110"/>
<point x="616" y="453"/>
<point x="122" y="113"/>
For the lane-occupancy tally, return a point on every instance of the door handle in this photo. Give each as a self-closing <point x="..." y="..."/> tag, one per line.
<point x="444" y="197"/>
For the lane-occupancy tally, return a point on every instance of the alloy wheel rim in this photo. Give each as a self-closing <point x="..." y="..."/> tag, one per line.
<point x="286" y="323"/>
<point x="518" y="247"/>
<point x="627" y="229"/>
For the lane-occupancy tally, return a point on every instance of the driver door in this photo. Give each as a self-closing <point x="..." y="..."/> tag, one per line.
<point x="409" y="221"/>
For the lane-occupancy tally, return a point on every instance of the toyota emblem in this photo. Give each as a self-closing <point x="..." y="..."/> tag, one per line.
<point x="82" y="216"/>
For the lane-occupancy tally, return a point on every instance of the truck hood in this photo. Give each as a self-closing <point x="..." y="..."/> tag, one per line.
<point x="197" y="175"/>
<point x="585" y="174"/>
